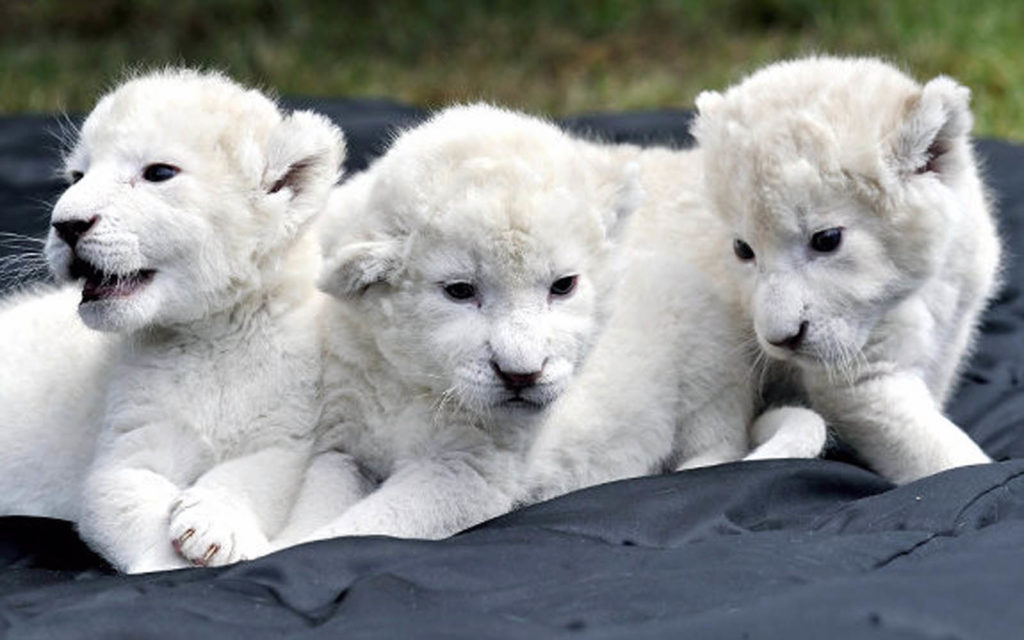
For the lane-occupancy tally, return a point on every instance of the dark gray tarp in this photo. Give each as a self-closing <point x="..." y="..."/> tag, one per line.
<point x="775" y="549"/>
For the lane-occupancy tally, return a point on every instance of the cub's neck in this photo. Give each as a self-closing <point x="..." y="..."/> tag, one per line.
<point x="280" y="284"/>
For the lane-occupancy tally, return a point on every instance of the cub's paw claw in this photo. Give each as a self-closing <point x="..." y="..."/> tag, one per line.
<point x="182" y="539"/>
<point x="208" y="558"/>
<point x="211" y="528"/>
<point x="211" y="552"/>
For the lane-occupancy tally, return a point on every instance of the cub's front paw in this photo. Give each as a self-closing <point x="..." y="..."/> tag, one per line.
<point x="212" y="528"/>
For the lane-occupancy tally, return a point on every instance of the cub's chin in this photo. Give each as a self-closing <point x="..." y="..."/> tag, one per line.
<point x="121" y="312"/>
<point x="114" y="315"/>
<point x="519" y="405"/>
<point x="113" y="301"/>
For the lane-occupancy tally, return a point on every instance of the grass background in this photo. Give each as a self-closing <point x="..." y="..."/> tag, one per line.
<point x="540" y="55"/>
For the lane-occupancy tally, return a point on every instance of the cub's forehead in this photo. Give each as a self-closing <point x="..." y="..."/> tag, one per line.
<point x="479" y="187"/>
<point x="481" y="143"/>
<point x="837" y="114"/>
<point x="499" y="255"/>
<point x="783" y="189"/>
<point x="505" y="220"/>
<point x="500" y="172"/>
<point x="850" y="92"/>
<point x="185" y="110"/>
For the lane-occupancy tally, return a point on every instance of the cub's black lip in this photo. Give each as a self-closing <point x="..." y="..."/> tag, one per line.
<point x="100" y="285"/>
<point x="80" y="269"/>
<point x="520" y="402"/>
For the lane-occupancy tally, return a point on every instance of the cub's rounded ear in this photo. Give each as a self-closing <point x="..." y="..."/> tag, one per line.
<point x="708" y="101"/>
<point x="349" y="270"/>
<point x="936" y="124"/>
<point x="627" y="198"/>
<point x="618" y="186"/>
<point x="303" y="159"/>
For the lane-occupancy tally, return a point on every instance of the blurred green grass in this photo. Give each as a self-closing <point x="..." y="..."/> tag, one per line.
<point x="544" y="56"/>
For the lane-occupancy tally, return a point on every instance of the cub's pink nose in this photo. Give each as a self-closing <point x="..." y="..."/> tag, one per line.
<point x="516" y="381"/>
<point x="71" y="231"/>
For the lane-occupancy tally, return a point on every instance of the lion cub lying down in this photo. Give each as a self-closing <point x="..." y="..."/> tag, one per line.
<point x="863" y="243"/>
<point x="472" y="267"/>
<point x="185" y="223"/>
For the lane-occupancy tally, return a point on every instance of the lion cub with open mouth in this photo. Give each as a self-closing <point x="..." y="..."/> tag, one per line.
<point x="863" y="244"/>
<point x="185" y="223"/>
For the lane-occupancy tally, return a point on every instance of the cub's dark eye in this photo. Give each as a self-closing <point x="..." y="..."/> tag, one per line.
<point x="563" y="286"/>
<point x="828" y="240"/>
<point x="159" y="172"/>
<point x="75" y="176"/>
<point x="460" y="291"/>
<point x="742" y="250"/>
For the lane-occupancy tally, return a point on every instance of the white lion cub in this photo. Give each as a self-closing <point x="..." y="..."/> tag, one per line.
<point x="864" y="244"/>
<point x="186" y="221"/>
<point x="472" y="266"/>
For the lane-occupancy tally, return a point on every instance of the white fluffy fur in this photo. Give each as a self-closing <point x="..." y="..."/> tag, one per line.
<point x="211" y="403"/>
<point x="671" y="383"/>
<point x="853" y="144"/>
<point x="53" y="375"/>
<point x="488" y="198"/>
